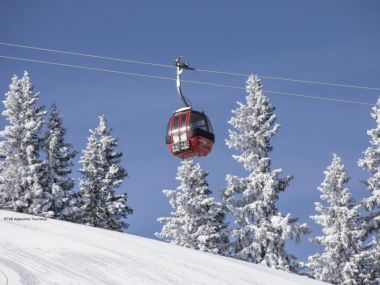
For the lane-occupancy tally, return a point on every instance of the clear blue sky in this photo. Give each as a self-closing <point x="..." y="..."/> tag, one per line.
<point x="336" y="41"/>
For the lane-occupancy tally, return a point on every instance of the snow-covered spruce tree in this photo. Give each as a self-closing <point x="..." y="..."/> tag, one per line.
<point x="342" y="239"/>
<point x="261" y="230"/>
<point x="371" y="204"/>
<point x="59" y="162"/>
<point x="102" y="171"/>
<point x="198" y="220"/>
<point x="370" y="262"/>
<point x="22" y="177"/>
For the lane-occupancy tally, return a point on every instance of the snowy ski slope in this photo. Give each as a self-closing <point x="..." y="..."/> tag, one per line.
<point x="56" y="252"/>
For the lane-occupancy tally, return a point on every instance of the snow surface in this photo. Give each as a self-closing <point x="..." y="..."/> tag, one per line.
<point x="56" y="252"/>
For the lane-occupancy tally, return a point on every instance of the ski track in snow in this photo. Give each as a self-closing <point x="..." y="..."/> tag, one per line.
<point x="57" y="252"/>
<point x="3" y="278"/>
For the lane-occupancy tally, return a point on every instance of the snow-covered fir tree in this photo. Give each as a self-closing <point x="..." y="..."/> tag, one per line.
<point x="59" y="162"/>
<point x="370" y="262"/>
<point x="102" y="172"/>
<point x="261" y="230"/>
<point x="371" y="204"/>
<point x="371" y="163"/>
<point x="22" y="176"/>
<point x="197" y="220"/>
<point x="342" y="238"/>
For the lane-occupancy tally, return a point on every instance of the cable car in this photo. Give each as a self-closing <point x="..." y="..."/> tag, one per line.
<point x="189" y="132"/>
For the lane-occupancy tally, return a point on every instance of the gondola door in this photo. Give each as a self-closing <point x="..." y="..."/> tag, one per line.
<point x="179" y="134"/>
<point x="183" y="128"/>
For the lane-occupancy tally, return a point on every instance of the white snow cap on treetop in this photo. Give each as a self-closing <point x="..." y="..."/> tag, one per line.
<point x="103" y="124"/>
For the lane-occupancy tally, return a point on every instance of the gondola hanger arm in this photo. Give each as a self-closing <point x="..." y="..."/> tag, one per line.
<point x="180" y="67"/>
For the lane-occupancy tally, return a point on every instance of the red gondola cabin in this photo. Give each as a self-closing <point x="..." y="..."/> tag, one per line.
<point x="189" y="133"/>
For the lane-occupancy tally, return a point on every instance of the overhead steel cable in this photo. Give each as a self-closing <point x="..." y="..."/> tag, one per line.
<point x="197" y="69"/>
<point x="87" y="55"/>
<point x="86" y="67"/>
<point x="173" y="79"/>
<point x="293" y="80"/>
